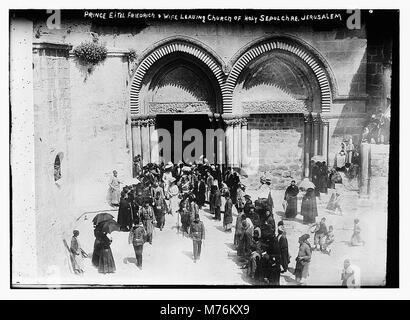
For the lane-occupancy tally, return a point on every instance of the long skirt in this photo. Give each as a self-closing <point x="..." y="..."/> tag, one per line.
<point x="106" y="263"/>
<point x="96" y="253"/>
<point x="301" y="270"/>
<point x="113" y="196"/>
<point x="292" y="207"/>
<point x="309" y="210"/>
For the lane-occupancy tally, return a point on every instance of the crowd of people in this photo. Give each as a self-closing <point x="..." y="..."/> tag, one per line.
<point x="175" y="194"/>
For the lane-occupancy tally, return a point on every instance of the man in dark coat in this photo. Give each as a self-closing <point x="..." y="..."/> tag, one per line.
<point x="268" y="219"/>
<point x="201" y="192"/>
<point x="124" y="213"/>
<point x="197" y="233"/>
<point x="217" y="201"/>
<point x="271" y="262"/>
<point x="283" y="246"/>
<point x="291" y="199"/>
<point x="137" y="239"/>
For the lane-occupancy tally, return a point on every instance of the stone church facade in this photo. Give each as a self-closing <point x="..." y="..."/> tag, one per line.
<point x="302" y="90"/>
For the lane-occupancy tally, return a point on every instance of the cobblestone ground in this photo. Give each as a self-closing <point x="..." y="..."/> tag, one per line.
<point x="168" y="260"/>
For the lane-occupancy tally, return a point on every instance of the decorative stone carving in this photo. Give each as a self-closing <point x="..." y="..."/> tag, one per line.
<point x="179" y="107"/>
<point x="277" y="106"/>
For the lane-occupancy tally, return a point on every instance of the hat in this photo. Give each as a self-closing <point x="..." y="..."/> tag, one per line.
<point x="304" y="237"/>
<point x="247" y="196"/>
<point x="169" y="165"/>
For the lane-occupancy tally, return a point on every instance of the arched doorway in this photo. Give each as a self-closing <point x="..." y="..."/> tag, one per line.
<point x="283" y="89"/>
<point x="179" y="98"/>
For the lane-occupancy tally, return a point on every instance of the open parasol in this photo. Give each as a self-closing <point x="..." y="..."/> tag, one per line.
<point x="240" y="171"/>
<point x="132" y="181"/>
<point x="319" y="158"/>
<point x="306" y="184"/>
<point x="101" y="217"/>
<point x="110" y="226"/>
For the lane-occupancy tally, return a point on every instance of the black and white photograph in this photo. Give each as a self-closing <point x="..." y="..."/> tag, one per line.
<point x="203" y="148"/>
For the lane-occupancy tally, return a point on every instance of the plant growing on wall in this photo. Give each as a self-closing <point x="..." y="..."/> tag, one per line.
<point x="132" y="55"/>
<point x="91" y="52"/>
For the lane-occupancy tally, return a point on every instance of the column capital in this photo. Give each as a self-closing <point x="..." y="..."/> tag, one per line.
<point x="307" y="117"/>
<point x="235" y="119"/>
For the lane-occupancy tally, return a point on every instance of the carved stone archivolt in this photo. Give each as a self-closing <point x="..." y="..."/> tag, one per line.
<point x="179" y="107"/>
<point x="143" y="121"/>
<point x="236" y="121"/>
<point x="293" y="106"/>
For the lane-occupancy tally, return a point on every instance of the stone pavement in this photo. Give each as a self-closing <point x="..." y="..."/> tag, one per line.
<point x="168" y="261"/>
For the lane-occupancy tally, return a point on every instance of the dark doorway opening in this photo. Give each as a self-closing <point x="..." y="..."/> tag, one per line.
<point x="171" y="122"/>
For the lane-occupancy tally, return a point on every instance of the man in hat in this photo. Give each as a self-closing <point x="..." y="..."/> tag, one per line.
<point x="217" y="202"/>
<point x="148" y="219"/>
<point x="303" y="260"/>
<point x="137" y="239"/>
<point x="283" y="246"/>
<point x="197" y="233"/>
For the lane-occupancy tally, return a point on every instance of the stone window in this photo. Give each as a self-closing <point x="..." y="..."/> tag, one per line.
<point x="57" y="166"/>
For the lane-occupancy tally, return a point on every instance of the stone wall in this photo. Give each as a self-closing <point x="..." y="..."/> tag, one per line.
<point x="379" y="171"/>
<point x="281" y="140"/>
<point x="81" y="116"/>
<point x="53" y="135"/>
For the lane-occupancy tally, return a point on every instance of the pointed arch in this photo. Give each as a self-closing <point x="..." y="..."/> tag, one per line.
<point x="173" y="46"/>
<point x="286" y="45"/>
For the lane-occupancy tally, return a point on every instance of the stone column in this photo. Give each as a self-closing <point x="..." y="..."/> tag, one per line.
<point x="237" y="143"/>
<point x="244" y="141"/>
<point x="364" y="189"/>
<point x="308" y="139"/>
<point x="153" y="134"/>
<point x="136" y="138"/>
<point x="316" y="135"/>
<point x="325" y="141"/>
<point x="146" y="154"/>
<point x="229" y="143"/>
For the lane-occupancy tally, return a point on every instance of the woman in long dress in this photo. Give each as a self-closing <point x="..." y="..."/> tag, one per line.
<point x="106" y="262"/>
<point x="201" y="192"/>
<point x="97" y="245"/>
<point x="227" y="221"/>
<point x="114" y="191"/>
<point x="291" y="198"/>
<point x="309" y="206"/>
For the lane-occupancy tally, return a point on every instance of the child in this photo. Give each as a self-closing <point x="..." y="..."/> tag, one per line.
<point x="356" y="239"/>
<point x="77" y="254"/>
<point x="320" y="234"/>
<point x="330" y="238"/>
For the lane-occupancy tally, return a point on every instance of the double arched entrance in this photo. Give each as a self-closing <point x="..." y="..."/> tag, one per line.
<point x="183" y="88"/>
